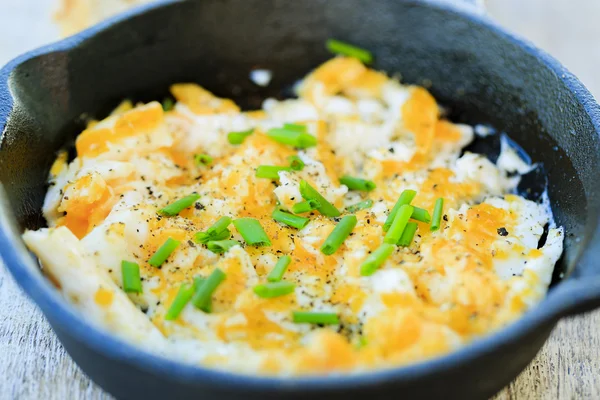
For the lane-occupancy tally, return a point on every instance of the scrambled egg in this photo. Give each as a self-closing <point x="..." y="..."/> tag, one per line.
<point x="482" y="269"/>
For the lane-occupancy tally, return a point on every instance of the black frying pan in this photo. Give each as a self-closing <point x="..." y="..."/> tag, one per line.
<point x="482" y="74"/>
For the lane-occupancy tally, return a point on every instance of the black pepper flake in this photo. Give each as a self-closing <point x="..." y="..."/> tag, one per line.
<point x="446" y="217"/>
<point x="502" y="231"/>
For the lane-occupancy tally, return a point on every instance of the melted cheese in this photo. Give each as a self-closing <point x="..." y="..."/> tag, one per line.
<point x="481" y="270"/>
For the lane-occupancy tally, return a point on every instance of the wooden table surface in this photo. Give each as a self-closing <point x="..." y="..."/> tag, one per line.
<point x="33" y="364"/>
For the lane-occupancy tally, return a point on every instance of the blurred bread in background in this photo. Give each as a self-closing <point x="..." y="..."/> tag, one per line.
<point x="76" y="15"/>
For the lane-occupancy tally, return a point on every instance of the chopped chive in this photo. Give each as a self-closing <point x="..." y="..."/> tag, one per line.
<point x="360" y="206"/>
<point x="180" y="205"/>
<point x="221" y="246"/>
<point x="279" y="269"/>
<point x="239" y="137"/>
<point x="405" y="198"/>
<point x="309" y="193"/>
<point x="216" y="232"/>
<point x="252" y="232"/>
<point x="296" y="163"/>
<point x="346" y="49"/>
<point x="290" y="219"/>
<point x="437" y="214"/>
<point x="204" y="291"/>
<point x="321" y="318"/>
<point x="362" y="342"/>
<point x="306" y="140"/>
<point x="198" y="280"/>
<point x="295" y="127"/>
<point x="184" y="294"/>
<point x="357" y="183"/>
<point x="161" y="255"/>
<point x="421" y="215"/>
<point x="274" y="289"/>
<point x="203" y="159"/>
<point x="394" y="234"/>
<point x="376" y="259"/>
<point x="207" y="306"/>
<point x="204" y="237"/>
<point x="270" y="171"/>
<point x="292" y="137"/>
<point x="341" y="231"/>
<point x="408" y="235"/>
<point x="130" y="272"/>
<point x="167" y="104"/>
<point x="219" y="226"/>
<point x="305" y="206"/>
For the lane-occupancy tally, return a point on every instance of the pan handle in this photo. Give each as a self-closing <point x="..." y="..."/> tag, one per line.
<point x="580" y="292"/>
<point x="576" y="296"/>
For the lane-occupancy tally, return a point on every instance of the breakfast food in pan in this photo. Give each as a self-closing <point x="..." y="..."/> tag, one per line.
<point x="340" y="231"/>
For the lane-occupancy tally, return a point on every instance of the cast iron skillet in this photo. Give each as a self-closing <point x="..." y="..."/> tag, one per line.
<point x="481" y="73"/>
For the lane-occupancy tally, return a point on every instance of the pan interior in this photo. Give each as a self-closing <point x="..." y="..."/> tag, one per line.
<point x="478" y="74"/>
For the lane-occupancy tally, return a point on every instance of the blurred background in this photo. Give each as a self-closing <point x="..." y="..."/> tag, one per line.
<point x="32" y="362"/>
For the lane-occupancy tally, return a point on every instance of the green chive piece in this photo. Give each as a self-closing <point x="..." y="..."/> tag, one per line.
<point x="341" y="231"/>
<point x="362" y="342"/>
<point x="305" y="206"/>
<point x="204" y="291"/>
<point x="346" y="49"/>
<point x="421" y="215"/>
<point x="296" y="163"/>
<point x="239" y="137"/>
<point x="295" y="127"/>
<point x="399" y="224"/>
<point x="290" y="219"/>
<point x="279" y="269"/>
<point x="168" y="104"/>
<point x="203" y="159"/>
<point x="130" y="272"/>
<point x="376" y="259"/>
<point x="204" y="237"/>
<point x="309" y="193"/>
<point x="180" y="205"/>
<point x="270" y="171"/>
<point x="219" y="226"/>
<point x="321" y="318"/>
<point x="357" y="183"/>
<point x="363" y="205"/>
<point x="207" y="306"/>
<point x="437" y="214"/>
<point x="185" y="293"/>
<point x="221" y="246"/>
<point x="405" y="198"/>
<point x="252" y="232"/>
<point x="408" y="235"/>
<point x="292" y="137"/>
<point x="274" y="289"/>
<point x="163" y="252"/>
